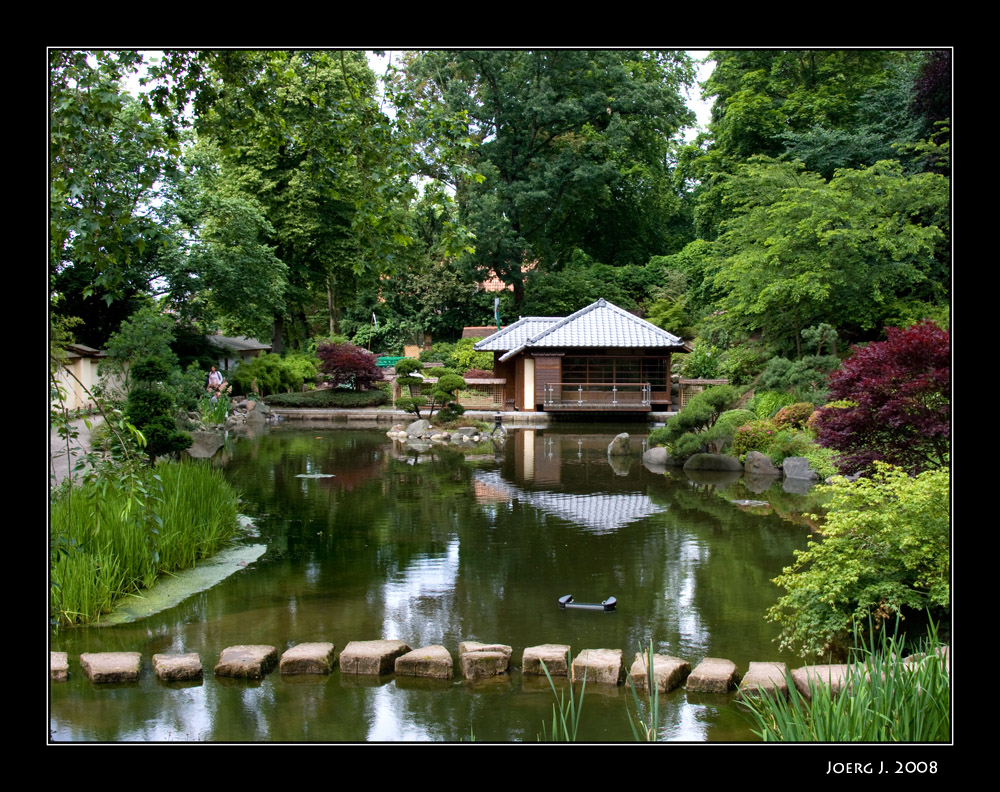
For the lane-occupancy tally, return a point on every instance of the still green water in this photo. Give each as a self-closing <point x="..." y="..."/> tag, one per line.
<point x="439" y="548"/>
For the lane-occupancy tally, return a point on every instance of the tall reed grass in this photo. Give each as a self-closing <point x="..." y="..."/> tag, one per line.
<point x="885" y="699"/>
<point x="566" y="711"/>
<point x="103" y="550"/>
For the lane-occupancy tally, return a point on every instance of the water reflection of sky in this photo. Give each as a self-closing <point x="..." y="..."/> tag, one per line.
<point x="413" y="596"/>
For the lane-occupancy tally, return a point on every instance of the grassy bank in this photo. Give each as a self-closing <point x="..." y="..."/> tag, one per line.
<point x="103" y="548"/>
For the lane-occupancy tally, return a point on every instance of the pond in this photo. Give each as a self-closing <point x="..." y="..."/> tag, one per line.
<point x="440" y="548"/>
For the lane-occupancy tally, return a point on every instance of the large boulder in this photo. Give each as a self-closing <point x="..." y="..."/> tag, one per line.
<point x="619" y="446"/>
<point x="798" y="468"/>
<point x="417" y="428"/>
<point x="713" y="462"/>
<point x="757" y="464"/>
<point x="205" y="444"/>
<point x="657" y="455"/>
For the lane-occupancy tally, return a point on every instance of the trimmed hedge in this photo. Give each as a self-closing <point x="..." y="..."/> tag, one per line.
<point x="335" y="397"/>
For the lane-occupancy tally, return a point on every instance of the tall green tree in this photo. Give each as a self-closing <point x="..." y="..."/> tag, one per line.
<point x="827" y="108"/>
<point x="300" y="135"/>
<point x="572" y="145"/>
<point x="799" y="250"/>
<point x="107" y="158"/>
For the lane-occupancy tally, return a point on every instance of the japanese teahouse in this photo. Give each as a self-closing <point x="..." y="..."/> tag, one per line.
<point x="601" y="358"/>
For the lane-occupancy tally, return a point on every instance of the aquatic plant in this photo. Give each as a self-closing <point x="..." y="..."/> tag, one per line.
<point x="885" y="698"/>
<point x="104" y="548"/>
<point x="641" y="730"/>
<point x="566" y="711"/>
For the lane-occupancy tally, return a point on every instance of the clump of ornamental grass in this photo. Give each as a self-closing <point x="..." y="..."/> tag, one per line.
<point x="106" y="545"/>
<point x="885" y="698"/>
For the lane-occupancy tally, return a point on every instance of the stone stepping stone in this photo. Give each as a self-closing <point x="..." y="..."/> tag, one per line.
<point x="246" y="661"/>
<point x="554" y="656"/>
<point x="480" y="660"/>
<point x="769" y="677"/>
<point x="58" y="666"/>
<point x="668" y="671"/>
<point x="713" y="675"/>
<point x="832" y="676"/>
<point x="178" y="667"/>
<point x="432" y="661"/>
<point x="308" y="658"/>
<point x="371" y="657"/>
<point x="111" y="666"/>
<point x="601" y="666"/>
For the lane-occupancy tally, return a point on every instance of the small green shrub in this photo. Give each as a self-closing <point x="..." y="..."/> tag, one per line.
<point x="703" y="362"/>
<point x="699" y="418"/>
<point x="885" y="549"/>
<point x="766" y="403"/>
<point x="793" y="416"/>
<point x="788" y="443"/>
<point x="822" y="460"/>
<point x="753" y="436"/>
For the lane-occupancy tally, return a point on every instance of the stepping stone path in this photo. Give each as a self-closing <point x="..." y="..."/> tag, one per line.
<point x="831" y="676"/>
<point x="477" y="660"/>
<point x="246" y="662"/>
<point x="111" y="666"/>
<point x="553" y="655"/>
<point x="713" y="675"/>
<point x="58" y="666"/>
<point x="601" y="666"/>
<point x="480" y="661"/>
<point x="371" y="657"/>
<point x="766" y="677"/>
<point x="428" y="661"/>
<point x="177" y="667"/>
<point x="668" y="672"/>
<point x="308" y="658"/>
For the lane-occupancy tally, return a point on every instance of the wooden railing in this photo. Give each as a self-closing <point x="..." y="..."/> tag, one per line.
<point x="597" y="396"/>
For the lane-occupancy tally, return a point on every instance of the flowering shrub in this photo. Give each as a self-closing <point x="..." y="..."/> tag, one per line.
<point x="753" y="436"/>
<point x="793" y="416"/>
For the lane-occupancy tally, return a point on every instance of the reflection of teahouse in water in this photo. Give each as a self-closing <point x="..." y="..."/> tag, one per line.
<point x="598" y="513"/>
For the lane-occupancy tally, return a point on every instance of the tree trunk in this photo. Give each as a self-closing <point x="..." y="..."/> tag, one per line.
<point x="279" y="325"/>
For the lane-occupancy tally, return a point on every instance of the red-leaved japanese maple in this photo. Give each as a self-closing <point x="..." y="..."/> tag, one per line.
<point x="346" y="364"/>
<point x="901" y="390"/>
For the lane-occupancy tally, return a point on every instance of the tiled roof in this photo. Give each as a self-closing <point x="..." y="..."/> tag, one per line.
<point x="515" y="335"/>
<point x="600" y="324"/>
